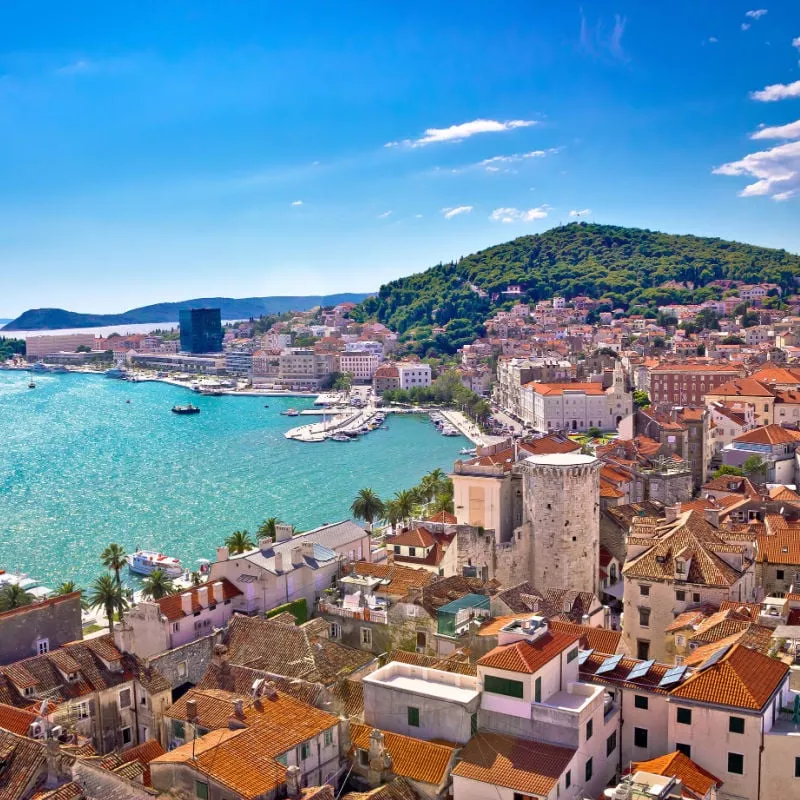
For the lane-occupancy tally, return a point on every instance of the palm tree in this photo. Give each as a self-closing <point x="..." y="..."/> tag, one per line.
<point x="391" y="513"/>
<point x="267" y="528"/>
<point x="406" y="501"/>
<point x="239" y="542"/>
<point x="436" y="478"/>
<point x="67" y="587"/>
<point x="107" y="594"/>
<point x="14" y="596"/>
<point x="442" y="502"/>
<point x="113" y="558"/>
<point x="157" y="585"/>
<point x="367" y="506"/>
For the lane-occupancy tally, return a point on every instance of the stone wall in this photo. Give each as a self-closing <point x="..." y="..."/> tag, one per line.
<point x="188" y="663"/>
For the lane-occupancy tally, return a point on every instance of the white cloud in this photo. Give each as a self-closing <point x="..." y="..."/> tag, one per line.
<point x="582" y="213"/>
<point x="297" y="202"/>
<point x="777" y="171"/>
<point x="757" y="14"/>
<point x="518" y="215"/>
<point x="777" y="91"/>
<point x="78" y="67"/>
<point x="417" y="216"/>
<point x="449" y="213"/>
<point x="746" y="26"/>
<point x="796" y="42"/>
<point x="457" y="133"/>
<point x="384" y="215"/>
<point x="789" y="131"/>
<point x="713" y="39"/>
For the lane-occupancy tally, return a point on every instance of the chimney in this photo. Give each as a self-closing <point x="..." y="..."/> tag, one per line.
<point x="238" y="709"/>
<point x="297" y="556"/>
<point x="202" y="596"/>
<point x="186" y="603"/>
<point x="191" y="710"/>
<point x="712" y="516"/>
<point x="222" y="554"/>
<point x="220" y="655"/>
<point x="379" y="760"/>
<point x="671" y="513"/>
<point x="283" y="532"/>
<point x="265" y="544"/>
<point x="307" y="549"/>
<point x="278" y="562"/>
<point x="293" y="781"/>
<point x="269" y="690"/>
<point x="218" y="589"/>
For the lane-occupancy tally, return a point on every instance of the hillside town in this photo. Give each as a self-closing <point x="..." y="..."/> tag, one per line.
<point x="602" y="600"/>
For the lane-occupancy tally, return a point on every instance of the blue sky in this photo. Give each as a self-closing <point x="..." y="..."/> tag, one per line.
<point x="163" y="150"/>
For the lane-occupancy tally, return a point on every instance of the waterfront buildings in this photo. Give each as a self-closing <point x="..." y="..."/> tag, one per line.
<point x="360" y="364"/>
<point x="178" y="362"/>
<point x="38" y="346"/>
<point x="201" y="330"/>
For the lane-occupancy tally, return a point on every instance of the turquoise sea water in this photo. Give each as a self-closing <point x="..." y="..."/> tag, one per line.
<point x="81" y="467"/>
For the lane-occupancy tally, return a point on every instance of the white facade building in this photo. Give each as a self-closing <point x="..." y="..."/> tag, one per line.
<point x="360" y="364"/>
<point x="414" y="376"/>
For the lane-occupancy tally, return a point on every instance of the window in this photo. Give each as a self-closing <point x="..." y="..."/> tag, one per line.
<point x="644" y="617"/>
<point x="413" y="717"/>
<point x="684" y="748"/>
<point x="504" y="686"/>
<point x="680" y="596"/>
<point x="178" y="729"/>
<point x="684" y="716"/>
<point x="568" y="779"/>
<point x="82" y="710"/>
<point x="125" y="698"/>
<point x="126" y="736"/>
<point x="412" y="551"/>
<point x="779" y="574"/>
<point x="537" y="690"/>
<point x="644" y="591"/>
<point x="397" y="549"/>
<point x="696" y="597"/>
<point x="201" y="790"/>
<point x="183" y="669"/>
<point x="42" y="646"/>
<point x="176" y="626"/>
<point x="588" y="771"/>
<point x="611" y="744"/>
<point x="640" y="701"/>
<point x="572" y="655"/>
<point x="334" y="631"/>
<point x="736" y="763"/>
<point x="327" y="739"/>
<point x="736" y="724"/>
<point x="797" y="766"/>
<point x="589" y="729"/>
<point x="640" y="737"/>
<point x="642" y="649"/>
<point x="284" y="759"/>
<point x="422" y="639"/>
<point x="366" y="637"/>
<point x="305" y="751"/>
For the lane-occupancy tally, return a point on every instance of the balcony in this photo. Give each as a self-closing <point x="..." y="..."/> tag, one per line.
<point x="379" y="616"/>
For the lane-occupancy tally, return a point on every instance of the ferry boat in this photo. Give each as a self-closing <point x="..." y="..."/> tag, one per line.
<point x="187" y="409"/>
<point x="146" y="562"/>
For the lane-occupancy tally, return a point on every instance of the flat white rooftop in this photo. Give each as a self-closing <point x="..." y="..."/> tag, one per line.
<point x="426" y="682"/>
<point x="430" y="688"/>
<point x="561" y="459"/>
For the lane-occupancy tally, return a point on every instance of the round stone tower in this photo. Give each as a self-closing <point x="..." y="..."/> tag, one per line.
<point x="561" y="496"/>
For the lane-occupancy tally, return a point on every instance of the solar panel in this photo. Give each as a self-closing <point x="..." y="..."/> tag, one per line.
<point x="672" y="676"/>
<point x="640" y="670"/>
<point x="713" y="658"/>
<point x="609" y="665"/>
<point x="584" y="655"/>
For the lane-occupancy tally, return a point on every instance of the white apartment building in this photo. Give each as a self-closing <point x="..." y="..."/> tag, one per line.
<point x="38" y="346"/>
<point x="360" y="364"/>
<point x="275" y="342"/>
<point x="365" y="347"/>
<point x="302" y="368"/>
<point x="414" y="376"/>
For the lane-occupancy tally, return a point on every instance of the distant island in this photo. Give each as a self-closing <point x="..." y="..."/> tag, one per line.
<point x="46" y="319"/>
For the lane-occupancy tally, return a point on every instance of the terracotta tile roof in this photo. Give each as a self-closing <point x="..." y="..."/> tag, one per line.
<point x="691" y="537"/>
<point x="290" y="651"/>
<point x="691" y="618"/>
<point x="243" y="760"/>
<point x="414" y="759"/>
<point x="504" y="458"/>
<point x="524" y="597"/>
<point x="547" y="445"/>
<point x="519" y="764"/>
<point x="732" y="483"/>
<point x="400" y="579"/>
<point x="349" y="697"/>
<point x="724" y="623"/>
<point x="68" y="791"/>
<point x="529" y="656"/>
<point x="753" y="610"/>
<point x="741" y="387"/>
<point x="143" y="754"/>
<point x="755" y="637"/>
<point x="781" y="547"/>
<point x="769" y="434"/>
<point x="172" y="605"/>
<point x="24" y="762"/>
<point x="742" y="678"/>
<point x="418" y="537"/>
<point x="16" y="720"/>
<point x="398" y="789"/>
<point x="784" y="494"/>
<point x="788" y="396"/>
<point x="555" y="389"/>
<point x="443" y="517"/>
<point x="601" y="640"/>
<point x="619" y="675"/>
<point x="678" y="765"/>
<point x="782" y="375"/>
<point x="683" y="367"/>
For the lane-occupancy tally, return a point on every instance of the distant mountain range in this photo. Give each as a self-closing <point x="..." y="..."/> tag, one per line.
<point x="45" y="319"/>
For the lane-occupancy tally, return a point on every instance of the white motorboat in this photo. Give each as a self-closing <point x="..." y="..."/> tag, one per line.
<point x="146" y="562"/>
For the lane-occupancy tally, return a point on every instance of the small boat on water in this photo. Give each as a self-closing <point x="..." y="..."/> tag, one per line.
<point x="449" y="430"/>
<point x="340" y="437"/>
<point x="291" y="412"/>
<point x="266" y="405"/>
<point x="31" y="385"/>
<point x="146" y="562"/>
<point x="468" y="451"/>
<point x="187" y="409"/>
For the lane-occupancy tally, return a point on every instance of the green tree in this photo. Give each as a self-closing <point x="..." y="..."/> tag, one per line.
<point x="107" y="594"/>
<point x="342" y="381"/>
<point x="14" y="596"/>
<point x="640" y="399"/>
<point x="239" y="542"/>
<point x="83" y="348"/>
<point x="594" y="432"/>
<point x="114" y="558"/>
<point x="157" y="585"/>
<point x="391" y="513"/>
<point x="367" y="506"/>
<point x="67" y="587"/>
<point x="728" y="469"/>
<point x="442" y="502"/>
<point x="406" y="501"/>
<point x="267" y="528"/>
<point x="754" y="466"/>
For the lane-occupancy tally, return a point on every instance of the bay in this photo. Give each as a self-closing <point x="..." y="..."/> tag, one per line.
<point x="80" y="467"/>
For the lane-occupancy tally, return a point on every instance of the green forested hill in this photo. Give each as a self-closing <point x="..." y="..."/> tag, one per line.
<point x="626" y="266"/>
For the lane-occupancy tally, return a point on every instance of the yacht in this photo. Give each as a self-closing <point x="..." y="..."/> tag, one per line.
<point x="40" y="366"/>
<point x="146" y="562"/>
<point x="187" y="409"/>
<point x="468" y="451"/>
<point x="30" y="585"/>
<point x="449" y="430"/>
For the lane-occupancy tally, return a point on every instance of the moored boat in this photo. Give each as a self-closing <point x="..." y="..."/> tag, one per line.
<point x="187" y="409"/>
<point x="146" y="562"/>
<point x="291" y="412"/>
<point x="340" y="437"/>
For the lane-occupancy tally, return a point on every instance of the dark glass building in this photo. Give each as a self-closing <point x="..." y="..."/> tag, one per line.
<point x="201" y="330"/>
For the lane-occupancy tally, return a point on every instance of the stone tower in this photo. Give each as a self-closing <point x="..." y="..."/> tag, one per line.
<point x="561" y="496"/>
